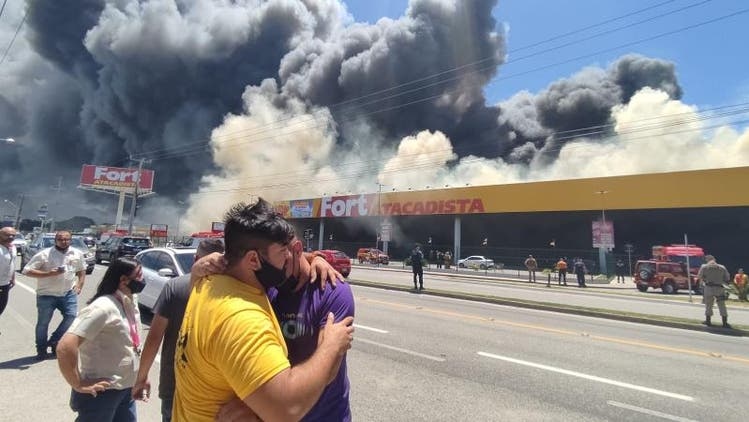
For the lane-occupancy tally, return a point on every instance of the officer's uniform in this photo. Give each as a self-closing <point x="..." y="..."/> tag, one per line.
<point x="714" y="276"/>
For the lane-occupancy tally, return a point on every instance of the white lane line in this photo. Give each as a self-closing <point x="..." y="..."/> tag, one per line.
<point x="19" y="284"/>
<point x="588" y="377"/>
<point x="376" y="330"/>
<point x="398" y="349"/>
<point x="649" y="412"/>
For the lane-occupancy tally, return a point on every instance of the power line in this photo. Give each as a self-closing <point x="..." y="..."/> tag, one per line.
<point x="2" y="8"/>
<point x="2" y="60"/>
<point x="338" y="106"/>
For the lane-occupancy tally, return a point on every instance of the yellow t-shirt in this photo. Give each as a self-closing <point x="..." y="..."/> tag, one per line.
<point x="230" y="344"/>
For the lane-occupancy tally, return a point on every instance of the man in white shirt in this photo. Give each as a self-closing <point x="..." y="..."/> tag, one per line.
<point x="7" y="265"/>
<point x="60" y="272"/>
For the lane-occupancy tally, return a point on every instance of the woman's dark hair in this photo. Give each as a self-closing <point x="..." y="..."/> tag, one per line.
<point x="111" y="280"/>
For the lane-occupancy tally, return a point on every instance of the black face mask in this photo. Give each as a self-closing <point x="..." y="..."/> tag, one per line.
<point x="270" y="276"/>
<point x="136" y="286"/>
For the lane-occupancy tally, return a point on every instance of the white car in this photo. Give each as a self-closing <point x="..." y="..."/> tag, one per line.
<point x="476" y="262"/>
<point x="19" y="242"/>
<point x="160" y="265"/>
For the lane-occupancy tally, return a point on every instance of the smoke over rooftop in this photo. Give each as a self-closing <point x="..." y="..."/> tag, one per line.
<point x="292" y="98"/>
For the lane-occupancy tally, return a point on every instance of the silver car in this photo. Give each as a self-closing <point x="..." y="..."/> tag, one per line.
<point x="160" y="265"/>
<point x="476" y="262"/>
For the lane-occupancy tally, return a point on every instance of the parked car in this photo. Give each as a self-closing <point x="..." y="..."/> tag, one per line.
<point x="117" y="247"/>
<point x="476" y="262"/>
<point x="160" y="265"/>
<point x="670" y="277"/>
<point x="338" y="260"/>
<point x="19" y="242"/>
<point x="372" y="255"/>
<point x="48" y="240"/>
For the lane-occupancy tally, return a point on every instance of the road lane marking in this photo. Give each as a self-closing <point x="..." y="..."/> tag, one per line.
<point x="24" y="286"/>
<point x="398" y="349"/>
<point x="649" y="412"/>
<point x="587" y="376"/>
<point x="635" y="343"/>
<point x="364" y="327"/>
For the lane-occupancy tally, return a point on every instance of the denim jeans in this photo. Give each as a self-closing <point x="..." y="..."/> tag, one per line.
<point x="107" y="406"/>
<point x="45" y="306"/>
<point x="166" y="409"/>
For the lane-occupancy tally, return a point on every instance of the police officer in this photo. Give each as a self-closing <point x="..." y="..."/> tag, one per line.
<point x="713" y="277"/>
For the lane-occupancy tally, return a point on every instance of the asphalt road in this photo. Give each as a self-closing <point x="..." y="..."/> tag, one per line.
<point x="428" y="358"/>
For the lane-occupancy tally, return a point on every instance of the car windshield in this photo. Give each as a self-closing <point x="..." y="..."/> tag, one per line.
<point x="136" y="241"/>
<point x="649" y="266"/>
<point x="185" y="261"/>
<point x="340" y="255"/>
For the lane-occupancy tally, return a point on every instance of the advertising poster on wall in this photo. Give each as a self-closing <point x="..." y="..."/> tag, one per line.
<point x="603" y="234"/>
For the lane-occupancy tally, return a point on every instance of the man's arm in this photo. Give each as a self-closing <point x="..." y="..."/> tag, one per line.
<point x="81" y="279"/>
<point x="142" y="387"/>
<point x="294" y="391"/>
<point x="67" y="360"/>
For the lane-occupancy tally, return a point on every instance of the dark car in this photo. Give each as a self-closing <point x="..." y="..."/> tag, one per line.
<point x="48" y="240"/>
<point x="118" y="247"/>
<point x="338" y="260"/>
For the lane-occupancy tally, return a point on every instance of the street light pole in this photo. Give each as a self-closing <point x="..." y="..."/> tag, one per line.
<point x="602" y="248"/>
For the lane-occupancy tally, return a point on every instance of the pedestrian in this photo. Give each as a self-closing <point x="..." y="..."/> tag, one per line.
<point x="562" y="271"/>
<point x="60" y="272"/>
<point x="580" y="271"/>
<point x="417" y="266"/>
<point x="440" y="259"/>
<point x="230" y="343"/>
<point x="7" y="265"/>
<point x="619" y="271"/>
<point x="98" y="356"/>
<point x="167" y="319"/>
<point x="714" y="276"/>
<point x="532" y="266"/>
<point x="740" y="279"/>
<point x="448" y="259"/>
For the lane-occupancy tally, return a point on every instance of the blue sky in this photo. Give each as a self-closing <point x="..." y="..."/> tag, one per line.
<point x="711" y="60"/>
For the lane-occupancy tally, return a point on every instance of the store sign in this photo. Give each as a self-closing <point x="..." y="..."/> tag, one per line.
<point x="603" y="234"/>
<point x="116" y="178"/>
<point x="363" y="205"/>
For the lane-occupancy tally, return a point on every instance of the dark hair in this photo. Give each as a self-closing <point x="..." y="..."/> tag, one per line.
<point x="111" y="280"/>
<point x="209" y="246"/>
<point x="253" y="227"/>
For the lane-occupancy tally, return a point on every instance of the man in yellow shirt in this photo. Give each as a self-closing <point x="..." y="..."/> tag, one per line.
<point x="230" y="343"/>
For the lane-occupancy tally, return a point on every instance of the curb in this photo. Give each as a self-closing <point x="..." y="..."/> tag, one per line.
<point x="657" y="320"/>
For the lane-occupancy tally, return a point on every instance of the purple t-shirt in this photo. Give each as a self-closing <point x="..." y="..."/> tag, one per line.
<point x="301" y="315"/>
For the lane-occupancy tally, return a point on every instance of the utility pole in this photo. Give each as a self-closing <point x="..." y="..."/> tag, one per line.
<point x="134" y="201"/>
<point x="57" y="190"/>
<point x="19" y="208"/>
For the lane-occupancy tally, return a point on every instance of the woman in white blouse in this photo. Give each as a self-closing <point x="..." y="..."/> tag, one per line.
<point x="106" y="337"/>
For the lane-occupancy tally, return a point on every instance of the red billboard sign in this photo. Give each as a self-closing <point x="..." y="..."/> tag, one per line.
<point x="116" y="178"/>
<point x="159" y="230"/>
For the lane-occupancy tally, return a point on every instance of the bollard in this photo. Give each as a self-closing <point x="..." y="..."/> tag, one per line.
<point x="548" y="280"/>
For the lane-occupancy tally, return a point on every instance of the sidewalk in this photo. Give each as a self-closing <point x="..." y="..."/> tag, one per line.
<point x="602" y="298"/>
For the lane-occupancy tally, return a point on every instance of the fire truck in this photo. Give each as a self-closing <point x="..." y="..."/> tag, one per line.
<point x="667" y="270"/>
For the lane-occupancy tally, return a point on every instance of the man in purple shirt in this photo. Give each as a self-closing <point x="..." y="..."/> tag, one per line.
<point x="302" y="314"/>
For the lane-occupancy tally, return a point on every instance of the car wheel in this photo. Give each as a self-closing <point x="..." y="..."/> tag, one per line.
<point x="98" y="259"/>
<point x="482" y="266"/>
<point x="642" y="287"/>
<point x="461" y="265"/>
<point x="89" y="272"/>
<point x="345" y="273"/>
<point x="668" y="288"/>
